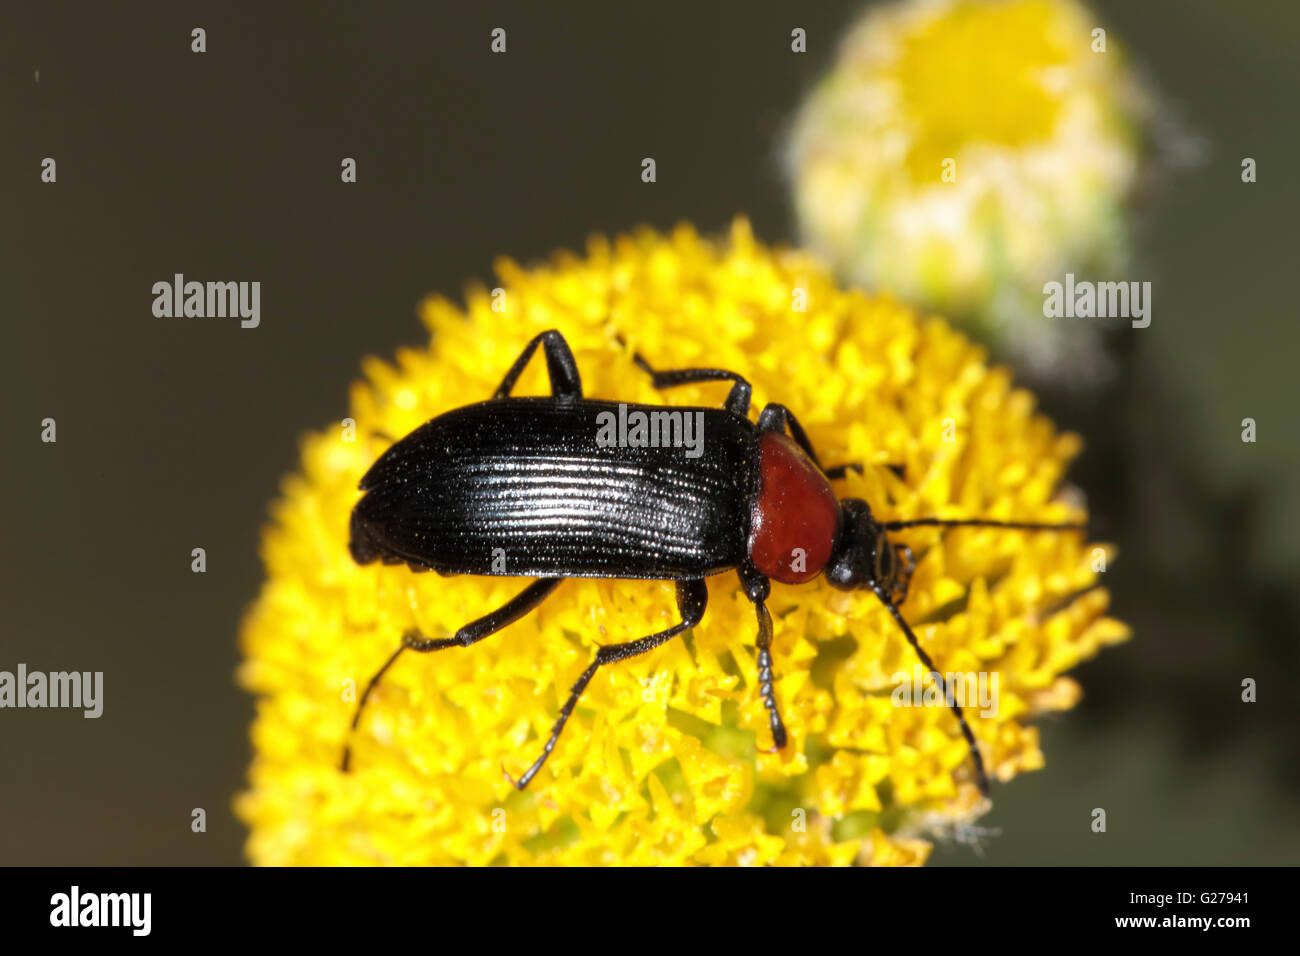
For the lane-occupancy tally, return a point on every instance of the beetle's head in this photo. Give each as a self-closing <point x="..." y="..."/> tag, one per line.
<point x="864" y="556"/>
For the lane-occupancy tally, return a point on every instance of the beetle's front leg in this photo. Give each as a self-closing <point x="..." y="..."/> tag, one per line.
<point x="906" y="564"/>
<point x="757" y="589"/>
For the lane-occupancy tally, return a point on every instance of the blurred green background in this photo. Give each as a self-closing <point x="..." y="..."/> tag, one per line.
<point x="174" y="434"/>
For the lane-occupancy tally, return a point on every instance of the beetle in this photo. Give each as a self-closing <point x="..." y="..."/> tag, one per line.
<point x="527" y="478"/>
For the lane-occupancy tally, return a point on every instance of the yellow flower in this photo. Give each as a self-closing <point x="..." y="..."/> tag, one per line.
<point x="963" y="153"/>
<point x="663" y="762"/>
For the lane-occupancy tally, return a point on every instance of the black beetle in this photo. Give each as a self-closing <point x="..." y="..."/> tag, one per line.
<point x="544" y="487"/>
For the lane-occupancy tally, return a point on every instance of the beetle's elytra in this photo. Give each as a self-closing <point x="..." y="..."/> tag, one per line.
<point x="528" y="477"/>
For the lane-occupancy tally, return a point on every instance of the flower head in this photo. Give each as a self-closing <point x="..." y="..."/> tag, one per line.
<point x="664" y="760"/>
<point x="962" y="153"/>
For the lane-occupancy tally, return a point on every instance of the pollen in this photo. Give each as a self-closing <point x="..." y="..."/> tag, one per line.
<point x="665" y="760"/>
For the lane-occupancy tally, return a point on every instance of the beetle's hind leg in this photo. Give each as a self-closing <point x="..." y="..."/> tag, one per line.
<point x="566" y="383"/>
<point x="522" y="603"/>
<point x="692" y="597"/>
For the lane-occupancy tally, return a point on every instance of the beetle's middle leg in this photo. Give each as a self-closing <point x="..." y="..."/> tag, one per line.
<point x="522" y="603"/>
<point x="692" y="597"/>
<point x="737" y="399"/>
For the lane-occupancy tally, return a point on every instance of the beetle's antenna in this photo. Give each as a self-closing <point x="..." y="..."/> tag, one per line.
<point x="981" y="523"/>
<point x="981" y="778"/>
<point x="361" y="704"/>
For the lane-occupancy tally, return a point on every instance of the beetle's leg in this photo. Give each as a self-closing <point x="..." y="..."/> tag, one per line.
<point x="777" y="418"/>
<point x="981" y="778"/>
<point x="566" y="383"/>
<point x="836" y="472"/>
<point x="757" y="589"/>
<point x="692" y="597"/>
<point x="526" y="600"/>
<point x="765" y="679"/>
<point x="906" y="566"/>
<point x="737" y="399"/>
